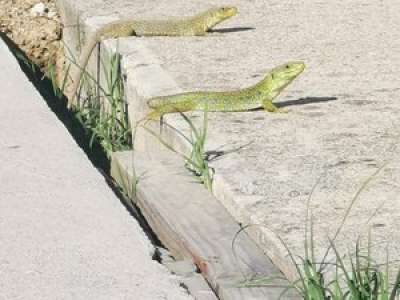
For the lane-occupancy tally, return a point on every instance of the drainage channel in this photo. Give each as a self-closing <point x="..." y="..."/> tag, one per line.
<point x="185" y="269"/>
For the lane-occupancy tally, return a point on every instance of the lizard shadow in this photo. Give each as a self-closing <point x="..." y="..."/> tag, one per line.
<point x="305" y="100"/>
<point x="213" y="155"/>
<point x="231" y="30"/>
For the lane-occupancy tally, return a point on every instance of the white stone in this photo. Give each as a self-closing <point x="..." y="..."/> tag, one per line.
<point x="38" y="9"/>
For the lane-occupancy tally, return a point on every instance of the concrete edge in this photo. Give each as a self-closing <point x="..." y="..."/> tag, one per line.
<point x="74" y="34"/>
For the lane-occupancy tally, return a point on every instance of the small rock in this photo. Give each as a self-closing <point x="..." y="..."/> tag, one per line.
<point x="183" y="268"/>
<point x="38" y="10"/>
<point x="164" y="255"/>
<point x="51" y="14"/>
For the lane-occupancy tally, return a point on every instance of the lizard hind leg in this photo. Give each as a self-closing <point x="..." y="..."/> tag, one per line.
<point x="270" y="107"/>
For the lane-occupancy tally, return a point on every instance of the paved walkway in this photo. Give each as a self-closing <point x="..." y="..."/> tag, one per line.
<point x="63" y="233"/>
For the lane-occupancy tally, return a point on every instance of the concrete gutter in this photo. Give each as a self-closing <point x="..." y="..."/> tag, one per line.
<point x="341" y="128"/>
<point x="63" y="232"/>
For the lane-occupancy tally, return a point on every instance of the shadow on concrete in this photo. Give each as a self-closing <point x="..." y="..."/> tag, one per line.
<point x="230" y="30"/>
<point x="214" y="155"/>
<point x="306" y="100"/>
<point x="82" y="136"/>
<point x="57" y="104"/>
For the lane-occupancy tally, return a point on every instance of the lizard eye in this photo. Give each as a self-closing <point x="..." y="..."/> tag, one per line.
<point x="287" y="67"/>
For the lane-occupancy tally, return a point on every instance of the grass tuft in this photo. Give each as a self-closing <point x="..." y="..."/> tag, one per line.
<point x="196" y="161"/>
<point x="356" y="275"/>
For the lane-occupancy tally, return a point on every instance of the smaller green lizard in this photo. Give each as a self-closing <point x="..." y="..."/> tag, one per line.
<point x="256" y="96"/>
<point x="197" y="25"/>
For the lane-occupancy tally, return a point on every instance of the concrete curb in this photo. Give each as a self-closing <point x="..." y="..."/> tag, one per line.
<point x="146" y="78"/>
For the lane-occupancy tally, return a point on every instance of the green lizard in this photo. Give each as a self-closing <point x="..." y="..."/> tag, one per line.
<point x="256" y="96"/>
<point x="197" y="25"/>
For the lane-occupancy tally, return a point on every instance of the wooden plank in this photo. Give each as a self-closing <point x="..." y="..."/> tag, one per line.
<point x="193" y="224"/>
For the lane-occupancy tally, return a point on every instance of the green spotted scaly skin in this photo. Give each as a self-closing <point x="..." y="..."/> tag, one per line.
<point x="256" y="96"/>
<point x="197" y="25"/>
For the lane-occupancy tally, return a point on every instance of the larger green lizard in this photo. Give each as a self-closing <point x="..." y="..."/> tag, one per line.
<point x="256" y="96"/>
<point x="197" y="25"/>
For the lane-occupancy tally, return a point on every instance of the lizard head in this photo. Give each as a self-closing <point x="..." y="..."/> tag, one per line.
<point x="224" y="12"/>
<point x="283" y="75"/>
<point x="216" y="15"/>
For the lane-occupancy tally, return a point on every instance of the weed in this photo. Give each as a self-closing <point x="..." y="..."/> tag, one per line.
<point x="197" y="161"/>
<point x="107" y="120"/>
<point x="356" y="276"/>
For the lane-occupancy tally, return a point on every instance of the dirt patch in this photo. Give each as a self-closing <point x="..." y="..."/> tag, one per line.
<point x="33" y="25"/>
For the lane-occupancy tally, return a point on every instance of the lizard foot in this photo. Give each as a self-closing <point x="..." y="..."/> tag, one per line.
<point x="270" y="107"/>
<point x="281" y="111"/>
<point x="277" y="110"/>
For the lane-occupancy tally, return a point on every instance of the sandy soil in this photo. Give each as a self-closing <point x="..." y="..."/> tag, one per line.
<point x="34" y="25"/>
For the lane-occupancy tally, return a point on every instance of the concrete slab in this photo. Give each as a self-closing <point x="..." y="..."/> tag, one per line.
<point x="63" y="232"/>
<point x="342" y="124"/>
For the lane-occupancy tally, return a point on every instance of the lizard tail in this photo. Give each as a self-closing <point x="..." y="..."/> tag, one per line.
<point x="78" y="68"/>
